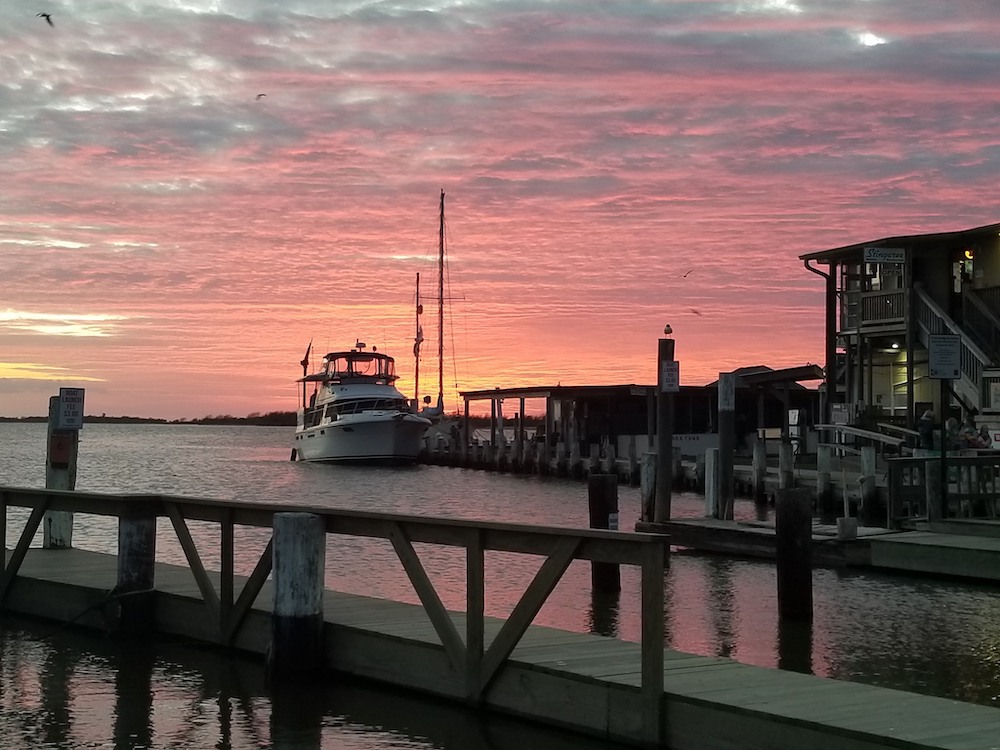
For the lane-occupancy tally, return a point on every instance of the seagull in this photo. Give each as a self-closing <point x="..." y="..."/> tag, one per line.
<point x="687" y="274"/>
<point x="261" y="95"/>
<point x="696" y="312"/>
<point x="47" y="17"/>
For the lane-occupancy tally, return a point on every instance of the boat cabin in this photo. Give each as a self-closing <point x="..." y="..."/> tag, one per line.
<point x="356" y="365"/>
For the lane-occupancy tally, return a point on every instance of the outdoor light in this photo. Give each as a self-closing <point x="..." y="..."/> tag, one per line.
<point x="894" y="344"/>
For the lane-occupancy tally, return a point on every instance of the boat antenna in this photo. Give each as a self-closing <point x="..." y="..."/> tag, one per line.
<point x="440" y="402"/>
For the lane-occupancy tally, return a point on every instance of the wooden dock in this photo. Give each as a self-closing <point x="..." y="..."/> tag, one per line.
<point x="953" y="548"/>
<point x="579" y="682"/>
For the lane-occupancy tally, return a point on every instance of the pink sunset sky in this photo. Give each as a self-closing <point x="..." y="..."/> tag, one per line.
<point x="171" y="242"/>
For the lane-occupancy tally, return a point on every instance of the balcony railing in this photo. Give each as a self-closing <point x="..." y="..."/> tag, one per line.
<point x="882" y="307"/>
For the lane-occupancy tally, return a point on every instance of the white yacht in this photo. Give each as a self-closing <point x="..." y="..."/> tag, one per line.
<point x="355" y="412"/>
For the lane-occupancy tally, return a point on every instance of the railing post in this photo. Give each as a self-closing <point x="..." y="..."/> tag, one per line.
<point x="296" y="649"/>
<point x="654" y="563"/>
<point x="475" y="610"/>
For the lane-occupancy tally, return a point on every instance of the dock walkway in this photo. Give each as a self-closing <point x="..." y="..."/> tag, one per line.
<point x="962" y="549"/>
<point x="578" y="681"/>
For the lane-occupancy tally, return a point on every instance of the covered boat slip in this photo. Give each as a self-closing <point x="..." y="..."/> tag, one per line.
<point x="581" y="682"/>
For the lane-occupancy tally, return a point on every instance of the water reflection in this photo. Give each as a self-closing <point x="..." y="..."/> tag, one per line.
<point x="604" y="611"/>
<point x="69" y="690"/>
<point x="932" y="636"/>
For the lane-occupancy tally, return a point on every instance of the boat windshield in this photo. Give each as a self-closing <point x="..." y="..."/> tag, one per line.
<point x="361" y="364"/>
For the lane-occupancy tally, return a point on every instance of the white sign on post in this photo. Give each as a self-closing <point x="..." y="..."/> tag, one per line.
<point x="670" y="376"/>
<point x="70" y="416"/>
<point x="945" y="350"/>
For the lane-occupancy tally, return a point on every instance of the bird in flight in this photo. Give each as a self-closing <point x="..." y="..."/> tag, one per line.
<point x="261" y="95"/>
<point x="47" y="17"/>
<point x="687" y="274"/>
<point x="696" y="312"/>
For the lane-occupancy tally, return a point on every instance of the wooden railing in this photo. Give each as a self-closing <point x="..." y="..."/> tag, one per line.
<point x="882" y="307"/>
<point x="477" y="664"/>
<point x="972" y="490"/>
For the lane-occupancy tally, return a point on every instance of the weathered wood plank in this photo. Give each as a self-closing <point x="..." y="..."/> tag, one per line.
<point x="428" y="595"/>
<point x="530" y="603"/>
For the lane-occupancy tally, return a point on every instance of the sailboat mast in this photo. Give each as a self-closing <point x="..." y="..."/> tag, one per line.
<point x="417" y="337"/>
<point x="441" y="307"/>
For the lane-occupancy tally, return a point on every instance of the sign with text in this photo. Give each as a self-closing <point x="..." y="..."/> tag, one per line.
<point x="945" y="350"/>
<point x="727" y="391"/>
<point x="670" y="376"/>
<point x="885" y="255"/>
<point x="70" y="414"/>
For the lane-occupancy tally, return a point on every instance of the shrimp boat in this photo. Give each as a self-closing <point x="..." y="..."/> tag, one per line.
<point x="355" y="412"/>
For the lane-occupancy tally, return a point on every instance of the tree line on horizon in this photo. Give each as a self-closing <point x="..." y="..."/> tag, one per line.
<point x="266" y="419"/>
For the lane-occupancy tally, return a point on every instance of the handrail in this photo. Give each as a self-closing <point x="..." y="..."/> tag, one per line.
<point x="896" y="428"/>
<point x="476" y="664"/>
<point x="866" y="434"/>
<point x="981" y="320"/>
<point x="944" y="321"/>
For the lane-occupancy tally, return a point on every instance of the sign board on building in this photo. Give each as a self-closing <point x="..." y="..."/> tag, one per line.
<point x="840" y="413"/>
<point x="70" y="414"/>
<point x="885" y="255"/>
<point x="670" y="376"/>
<point x="945" y="355"/>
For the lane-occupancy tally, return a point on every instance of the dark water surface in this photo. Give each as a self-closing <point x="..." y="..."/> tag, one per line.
<point x="918" y="634"/>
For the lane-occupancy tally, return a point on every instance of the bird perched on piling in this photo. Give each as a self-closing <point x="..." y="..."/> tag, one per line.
<point x="47" y="17"/>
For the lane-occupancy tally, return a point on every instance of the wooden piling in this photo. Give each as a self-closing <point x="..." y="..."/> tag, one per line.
<point x="759" y="467"/>
<point x="793" y="543"/>
<point x="664" y="430"/>
<point x="647" y="486"/>
<point x="727" y="443"/>
<point x="62" y="449"/>
<point x="633" y="462"/>
<point x="713" y="508"/>
<point x="136" y="566"/>
<point x="296" y="650"/>
<point x="824" y="495"/>
<point x="602" y="497"/>
<point x="786" y="466"/>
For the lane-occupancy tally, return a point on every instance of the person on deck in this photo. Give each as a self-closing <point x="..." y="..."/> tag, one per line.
<point x="953" y="434"/>
<point x="925" y="430"/>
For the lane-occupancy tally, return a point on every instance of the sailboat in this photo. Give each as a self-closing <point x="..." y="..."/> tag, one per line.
<point x="433" y="413"/>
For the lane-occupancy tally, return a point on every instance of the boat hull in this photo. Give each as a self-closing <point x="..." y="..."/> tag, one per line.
<point x="388" y="439"/>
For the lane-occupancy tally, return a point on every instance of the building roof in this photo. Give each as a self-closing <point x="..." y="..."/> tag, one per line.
<point x="747" y="376"/>
<point x="763" y="375"/>
<point x="943" y="238"/>
<point x="561" y="391"/>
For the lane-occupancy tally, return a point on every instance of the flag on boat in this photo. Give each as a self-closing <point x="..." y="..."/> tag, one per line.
<point x="418" y="341"/>
<point x="305" y="359"/>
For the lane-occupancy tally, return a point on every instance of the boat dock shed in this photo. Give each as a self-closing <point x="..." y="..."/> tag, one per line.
<point x="589" y="420"/>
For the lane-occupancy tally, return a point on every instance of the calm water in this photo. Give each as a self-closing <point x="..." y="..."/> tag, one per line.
<point x="923" y="635"/>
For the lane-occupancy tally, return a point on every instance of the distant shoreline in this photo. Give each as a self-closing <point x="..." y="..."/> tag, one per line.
<point x="271" y="419"/>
